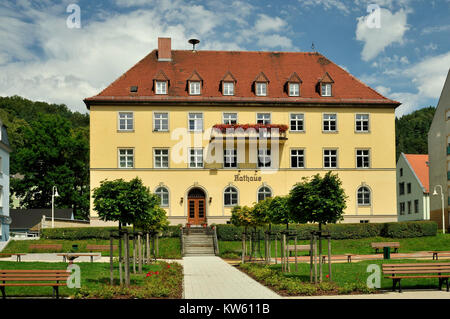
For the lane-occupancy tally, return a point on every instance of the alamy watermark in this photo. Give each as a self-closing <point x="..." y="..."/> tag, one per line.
<point x="74" y="19"/>
<point x="373" y="20"/>
<point x="74" y="280"/>
<point x="374" y="279"/>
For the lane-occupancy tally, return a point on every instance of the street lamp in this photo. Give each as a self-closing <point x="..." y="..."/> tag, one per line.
<point x="442" y="198"/>
<point x="54" y="194"/>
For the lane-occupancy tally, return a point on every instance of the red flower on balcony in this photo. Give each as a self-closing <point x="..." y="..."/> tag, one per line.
<point x="223" y="127"/>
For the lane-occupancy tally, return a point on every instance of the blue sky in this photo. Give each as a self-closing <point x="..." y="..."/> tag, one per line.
<point x="406" y="59"/>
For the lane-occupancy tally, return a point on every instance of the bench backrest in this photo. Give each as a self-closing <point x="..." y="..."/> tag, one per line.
<point x="422" y="268"/>
<point x="34" y="275"/>
<point x="46" y="246"/>
<point x="100" y="247"/>
<point x="387" y="244"/>
<point x="299" y="247"/>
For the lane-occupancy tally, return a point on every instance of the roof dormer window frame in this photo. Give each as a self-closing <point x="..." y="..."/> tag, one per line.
<point x="261" y="83"/>
<point x="161" y="83"/>
<point x="326" y="85"/>
<point x="228" y="84"/>
<point x="293" y="81"/>
<point x="195" y="83"/>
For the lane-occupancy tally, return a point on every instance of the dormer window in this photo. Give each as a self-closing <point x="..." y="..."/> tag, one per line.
<point x="293" y="85"/>
<point x="195" y="84"/>
<point x="294" y="89"/>
<point x="228" y="88"/>
<point x="261" y="81"/>
<point x="326" y="89"/>
<point x="261" y="89"/>
<point x="161" y="87"/>
<point x="161" y="82"/>
<point x="326" y="83"/>
<point x="194" y="87"/>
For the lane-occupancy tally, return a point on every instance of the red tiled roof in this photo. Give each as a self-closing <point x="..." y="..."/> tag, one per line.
<point x="244" y="66"/>
<point x="420" y="167"/>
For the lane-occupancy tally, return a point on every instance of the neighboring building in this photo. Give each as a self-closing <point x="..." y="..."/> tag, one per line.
<point x="413" y="194"/>
<point x="26" y="220"/>
<point x="439" y="157"/>
<point x="5" y="150"/>
<point x="327" y="119"/>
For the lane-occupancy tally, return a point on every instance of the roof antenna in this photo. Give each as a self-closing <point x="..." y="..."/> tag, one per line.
<point x="193" y="42"/>
<point x="313" y="47"/>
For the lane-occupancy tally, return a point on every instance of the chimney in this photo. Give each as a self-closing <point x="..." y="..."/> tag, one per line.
<point x="164" y="49"/>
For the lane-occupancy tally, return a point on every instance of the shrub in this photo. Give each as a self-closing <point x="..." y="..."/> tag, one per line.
<point x="409" y="229"/>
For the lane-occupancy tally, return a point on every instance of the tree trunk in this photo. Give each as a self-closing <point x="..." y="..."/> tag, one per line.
<point x="120" y="255"/>
<point x="320" y="252"/>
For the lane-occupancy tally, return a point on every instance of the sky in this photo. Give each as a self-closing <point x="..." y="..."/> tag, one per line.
<point x="65" y="51"/>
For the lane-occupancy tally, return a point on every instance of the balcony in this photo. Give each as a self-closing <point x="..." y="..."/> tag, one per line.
<point x="223" y="132"/>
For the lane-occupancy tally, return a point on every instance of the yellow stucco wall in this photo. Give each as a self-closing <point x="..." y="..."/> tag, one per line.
<point x="380" y="177"/>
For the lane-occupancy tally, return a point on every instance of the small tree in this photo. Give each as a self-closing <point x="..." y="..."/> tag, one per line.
<point x="279" y="211"/>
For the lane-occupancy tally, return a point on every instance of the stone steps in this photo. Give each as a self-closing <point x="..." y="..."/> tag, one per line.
<point x="198" y="243"/>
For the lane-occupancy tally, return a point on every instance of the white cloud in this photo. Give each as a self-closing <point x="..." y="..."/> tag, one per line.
<point x="439" y="28"/>
<point x="41" y="59"/>
<point x="327" y="4"/>
<point x="392" y="30"/>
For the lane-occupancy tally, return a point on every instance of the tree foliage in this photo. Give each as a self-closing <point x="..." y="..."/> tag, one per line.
<point x="52" y="153"/>
<point x="128" y="203"/>
<point x="319" y="200"/>
<point x="243" y="216"/>
<point x="411" y="131"/>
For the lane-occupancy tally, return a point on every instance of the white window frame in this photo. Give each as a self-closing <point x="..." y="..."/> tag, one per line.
<point x="364" y="197"/>
<point x="227" y="156"/>
<point x="160" y="194"/>
<point x="261" y="88"/>
<point x="125" y="120"/>
<point x="228" y="88"/>
<point x="294" y="89"/>
<point x="263" y="118"/>
<point x="259" y="192"/>
<point x="294" y="117"/>
<point x="360" y="121"/>
<point x="160" y="120"/>
<point x="230" y="193"/>
<point x="198" y="152"/>
<point x="298" y="156"/>
<point x="161" y="156"/>
<point x="132" y="155"/>
<point x="328" y="118"/>
<point x="196" y="120"/>
<point x="161" y="87"/>
<point x="195" y="88"/>
<point x="364" y="157"/>
<point x="226" y="120"/>
<point x="330" y="156"/>
<point x="264" y="153"/>
<point x="326" y="89"/>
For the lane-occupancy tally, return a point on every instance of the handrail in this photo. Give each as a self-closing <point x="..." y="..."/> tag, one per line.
<point x="216" y="242"/>
<point x="181" y="240"/>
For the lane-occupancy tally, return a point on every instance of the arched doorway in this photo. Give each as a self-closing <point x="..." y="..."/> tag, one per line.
<point x="196" y="206"/>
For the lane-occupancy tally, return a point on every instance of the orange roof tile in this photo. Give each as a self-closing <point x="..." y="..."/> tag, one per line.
<point x="242" y="66"/>
<point x="420" y="167"/>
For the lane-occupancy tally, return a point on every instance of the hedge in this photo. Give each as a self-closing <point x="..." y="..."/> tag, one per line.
<point x="94" y="232"/>
<point x="228" y="232"/>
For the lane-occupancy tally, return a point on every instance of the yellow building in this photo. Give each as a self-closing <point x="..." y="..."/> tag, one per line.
<point x="293" y="114"/>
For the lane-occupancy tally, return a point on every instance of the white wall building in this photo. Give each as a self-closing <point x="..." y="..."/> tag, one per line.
<point x="5" y="149"/>
<point x="413" y="194"/>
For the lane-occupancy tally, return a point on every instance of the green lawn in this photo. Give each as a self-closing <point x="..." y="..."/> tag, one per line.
<point x="347" y="278"/>
<point x="95" y="281"/>
<point x="232" y="249"/>
<point x="168" y="247"/>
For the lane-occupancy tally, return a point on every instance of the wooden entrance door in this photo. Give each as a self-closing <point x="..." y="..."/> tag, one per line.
<point x="196" y="207"/>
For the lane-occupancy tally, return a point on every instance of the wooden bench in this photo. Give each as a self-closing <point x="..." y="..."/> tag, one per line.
<point x="56" y="247"/>
<point x="397" y="272"/>
<point x="377" y="246"/>
<point x="18" y="255"/>
<point x="346" y="256"/>
<point x="436" y="253"/>
<point x="33" y="278"/>
<point x="291" y="248"/>
<point x="92" y="248"/>
<point x="72" y="256"/>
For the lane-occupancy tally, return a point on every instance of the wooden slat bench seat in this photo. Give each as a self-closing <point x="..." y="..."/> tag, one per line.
<point x="54" y="247"/>
<point x="100" y="247"/>
<point x="33" y="278"/>
<point x="18" y="255"/>
<point x="436" y="253"/>
<point x="66" y="256"/>
<point x="378" y="245"/>
<point x="347" y="257"/>
<point x="397" y="272"/>
<point x="291" y="248"/>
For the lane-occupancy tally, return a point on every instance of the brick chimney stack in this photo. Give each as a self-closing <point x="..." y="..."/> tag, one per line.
<point x="164" y="49"/>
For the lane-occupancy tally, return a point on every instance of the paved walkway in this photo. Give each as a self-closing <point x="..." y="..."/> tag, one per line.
<point x="210" y="277"/>
<point x="406" y="294"/>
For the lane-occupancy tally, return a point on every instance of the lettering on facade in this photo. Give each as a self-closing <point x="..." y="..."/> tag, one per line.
<point x="246" y="178"/>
